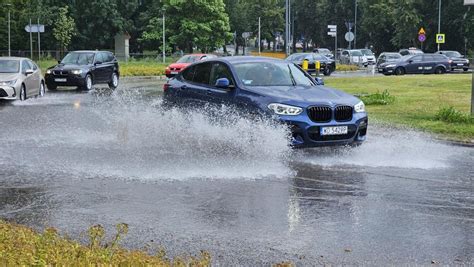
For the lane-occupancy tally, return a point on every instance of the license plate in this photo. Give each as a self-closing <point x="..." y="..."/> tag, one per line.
<point x="335" y="130"/>
<point x="60" y="80"/>
<point x="174" y="72"/>
<point x="461" y="64"/>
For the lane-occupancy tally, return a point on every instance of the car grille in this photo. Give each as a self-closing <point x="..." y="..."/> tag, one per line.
<point x="3" y="93"/>
<point x="175" y="69"/>
<point x="61" y="72"/>
<point x="343" y="113"/>
<point x="320" y="114"/>
<point x="315" y="135"/>
<point x="325" y="114"/>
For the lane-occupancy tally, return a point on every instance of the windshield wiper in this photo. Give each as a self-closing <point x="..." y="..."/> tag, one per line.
<point x="291" y="75"/>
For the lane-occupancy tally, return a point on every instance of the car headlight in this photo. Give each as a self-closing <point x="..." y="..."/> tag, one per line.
<point x="359" y="107"/>
<point x="8" y="83"/>
<point x="282" y="109"/>
<point x="76" y="72"/>
<point x="390" y="66"/>
<point x="48" y="72"/>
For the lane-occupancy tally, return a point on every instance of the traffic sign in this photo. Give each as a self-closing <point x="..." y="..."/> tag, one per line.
<point x="440" y="38"/>
<point x="421" y="31"/>
<point x="34" y="28"/>
<point x="333" y="34"/>
<point x="246" y="35"/>
<point x="421" y="38"/>
<point x="332" y="27"/>
<point x="349" y="36"/>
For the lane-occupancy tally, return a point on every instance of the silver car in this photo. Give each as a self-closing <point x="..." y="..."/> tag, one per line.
<point x="20" y="78"/>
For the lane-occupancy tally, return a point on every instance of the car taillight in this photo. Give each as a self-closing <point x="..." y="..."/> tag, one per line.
<point x="166" y="86"/>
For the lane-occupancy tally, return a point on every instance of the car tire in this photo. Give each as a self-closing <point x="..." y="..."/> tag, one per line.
<point x="114" y="81"/>
<point x="42" y="90"/>
<point x="88" y="82"/>
<point x="399" y="71"/>
<point x="439" y="70"/>
<point x="23" y="93"/>
<point x="327" y="72"/>
<point x="465" y="69"/>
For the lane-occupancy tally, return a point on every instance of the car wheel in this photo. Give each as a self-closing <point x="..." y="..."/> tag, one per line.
<point x="439" y="70"/>
<point x="114" y="81"/>
<point x="88" y="82"/>
<point x="41" y="90"/>
<point x="327" y="72"/>
<point x="23" y="93"/>
<point x="399" y="71"/>
<point x="465" y="69"/>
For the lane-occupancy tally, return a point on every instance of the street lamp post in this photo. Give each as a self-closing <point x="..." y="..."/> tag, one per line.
<point x="439" y="19"/>
<point x="164" y="38"/>
<point x="9" y="38"/>
<point x="355" y="26"/>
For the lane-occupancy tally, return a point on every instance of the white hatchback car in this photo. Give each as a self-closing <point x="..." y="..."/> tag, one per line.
<point x="20" y="78"/>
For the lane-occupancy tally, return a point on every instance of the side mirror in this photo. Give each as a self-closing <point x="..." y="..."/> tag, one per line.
<point x="222" y="83"/>
<point x="59" y="61"/>
<point x="319" y="80"/>
<point x="29" y="72"/>
<point x="97" y="63"/>
<point x="462" y="56"/>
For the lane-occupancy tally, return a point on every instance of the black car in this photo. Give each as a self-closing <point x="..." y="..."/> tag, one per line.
<point x="327" y="66"/>
<point x="386" y="57"/>
<point x="417" y="64"/>
<point x="324" y="51"/>
<point x="456" y="59"/>
<point x="84" y="69"/>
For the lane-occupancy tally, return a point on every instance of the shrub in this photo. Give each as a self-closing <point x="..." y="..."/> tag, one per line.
<point x="383" y="98"/>
<point x="450" y="114"/>
<point x="344" y="67"/>
<point x="21" y="246"/>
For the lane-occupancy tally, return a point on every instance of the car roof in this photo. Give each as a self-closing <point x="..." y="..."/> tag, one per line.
<point x="14" y="58"/>
<point x="88" y="51"/>
<point x="246" y="59"/>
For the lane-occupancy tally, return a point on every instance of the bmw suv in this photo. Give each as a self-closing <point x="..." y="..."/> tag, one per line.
<point x="84" y="69"/>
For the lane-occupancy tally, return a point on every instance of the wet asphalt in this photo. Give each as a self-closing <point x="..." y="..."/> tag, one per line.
<point x="186" y="183"/>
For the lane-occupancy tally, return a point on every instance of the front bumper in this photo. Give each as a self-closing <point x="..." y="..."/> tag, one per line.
<point x="65" y="80"/>
<point x="9" y="92"/>
<point x="306" y="133"/>
<point x="459" y="65"/>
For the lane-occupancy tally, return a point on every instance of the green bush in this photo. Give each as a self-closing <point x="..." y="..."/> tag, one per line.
<point x="378" y="98"/>
<point x="450" y="114"/>
<point x="344" y="67"/>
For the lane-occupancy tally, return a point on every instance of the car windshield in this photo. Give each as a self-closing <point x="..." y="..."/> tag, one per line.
<point x="393" y="57"/>
<point x="9" y="66"/>
<point x="271" y="74"/>
<point x="356" y="53"/>
<point x="452" y="54"/>
<point x="415" y="52"/>
<point x="320" y="57"/>
<point x="188" y="59"/>
<point x="323" y="51"/>
<point x="299" y="57"/>
<point x="367" y="52"/>
<point x="78" y="58"/>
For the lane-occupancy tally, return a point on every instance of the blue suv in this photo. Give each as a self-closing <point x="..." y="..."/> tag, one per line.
<point x="317" y="115"/>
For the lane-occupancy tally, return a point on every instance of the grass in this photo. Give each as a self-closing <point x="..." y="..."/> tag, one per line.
<point x="420" y="102"/>
<point x="22" y="246"/>
<point x="384" y="98"/>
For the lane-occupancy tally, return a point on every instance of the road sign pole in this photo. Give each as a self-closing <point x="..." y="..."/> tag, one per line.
<point x="9" y="36"/>
<point x="472" y="92"/>
<point x="335" y="46"/>
<point x="39" y="41"/>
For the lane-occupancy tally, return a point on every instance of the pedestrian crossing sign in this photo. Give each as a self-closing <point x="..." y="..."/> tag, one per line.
<point x="440" y="38"/>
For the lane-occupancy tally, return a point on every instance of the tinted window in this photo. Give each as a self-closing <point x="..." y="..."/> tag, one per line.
<point x="33" y="65"/>
<point x="105" y="57"/>
<point x="319" y="57"/>
<point x="99" y="57"/>
<point x="439" y="58"/>
<point x="188" y="73"/>
<point x="219" y="71"/>
<point x="78" y="58"/>
<point x="416" y="59"/>
<point x="428" y="58"/>
<point x="188" y="59"/>
<point x="202" y="73"/>
<point x="271" y="74"/>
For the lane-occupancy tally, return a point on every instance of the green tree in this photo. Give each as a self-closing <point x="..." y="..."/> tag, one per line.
<point x="64" y="28"/>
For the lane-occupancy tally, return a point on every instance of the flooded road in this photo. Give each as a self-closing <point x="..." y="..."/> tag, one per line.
<point x="187" y="182"/>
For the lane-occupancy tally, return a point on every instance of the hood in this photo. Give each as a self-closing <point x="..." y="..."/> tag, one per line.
<point x="388" y="63"/>
<point x="305" y="96"/>
<point x="8" y="76"/>
<point x="69" y="67"/>
<point x="179" y="65"/>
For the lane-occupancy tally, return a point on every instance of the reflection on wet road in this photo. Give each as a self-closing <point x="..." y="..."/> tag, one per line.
<point x="188" y="182"/>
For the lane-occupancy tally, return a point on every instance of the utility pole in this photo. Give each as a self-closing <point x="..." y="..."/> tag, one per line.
<point x="31" y="41"/>
<point x="355" y="26"/>
<point x="259" y="36"/>
<point x="9" y="27"/>
<point x="439" y="19"/>
<point x="39" y="41"/>
<point x="164" y="38"/>
<point x="286" y="26"/>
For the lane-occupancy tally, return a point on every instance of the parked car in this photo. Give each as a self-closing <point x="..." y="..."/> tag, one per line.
<point x="387" y="57"/>
<point x="410" y="51"/>
<point x="273" y="88"/>
<point x="417" y="64"/>
<point x="369" y="55"/>
<point x="20" y="78"/>
<point x="353" y="57"/>
<point x="84" y="69"/>
<point x="327" y="66"/>
<point x="185" y="61"/>
<point x="457" y="60"/>
<point x="324" y="51"/>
